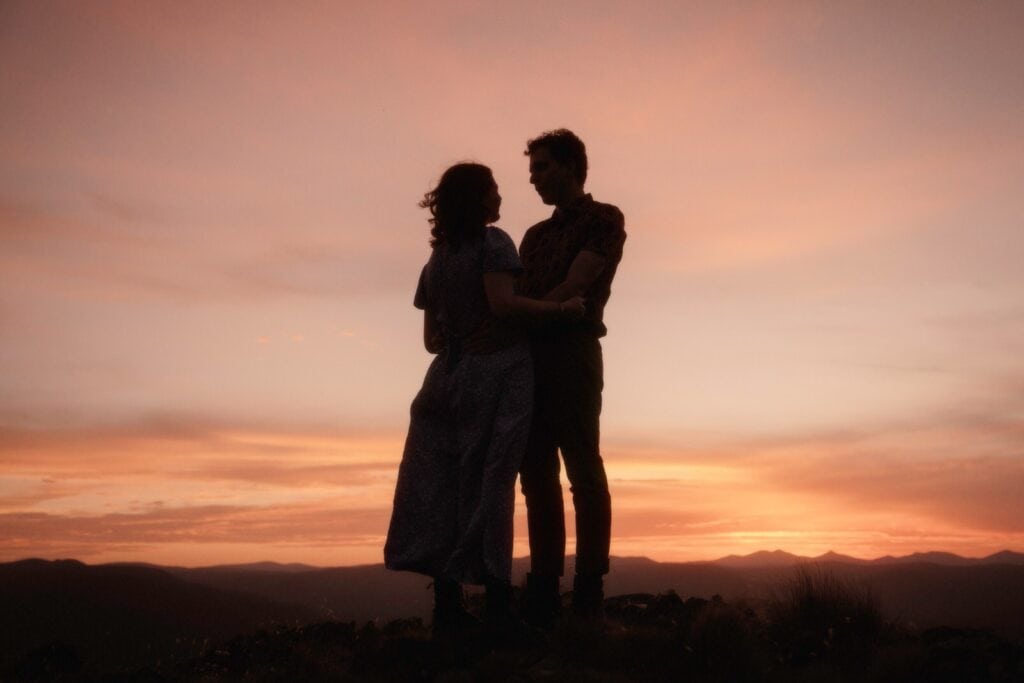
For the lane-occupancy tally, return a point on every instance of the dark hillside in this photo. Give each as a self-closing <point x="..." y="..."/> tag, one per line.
<point x="363" y="593"/>
<point x="974" y="594"/>
<point x="118" y="616"/>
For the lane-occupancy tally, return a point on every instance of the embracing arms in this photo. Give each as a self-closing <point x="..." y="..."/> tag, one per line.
<point x="504" y="302"/>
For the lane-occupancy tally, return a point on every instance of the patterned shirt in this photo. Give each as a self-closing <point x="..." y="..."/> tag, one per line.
<point x="549" y="248"/>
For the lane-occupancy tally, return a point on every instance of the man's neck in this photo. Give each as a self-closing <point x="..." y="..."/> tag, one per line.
<point x="569" y="199"/>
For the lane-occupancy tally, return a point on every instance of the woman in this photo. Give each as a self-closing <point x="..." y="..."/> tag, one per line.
<point x="452" y="517"/>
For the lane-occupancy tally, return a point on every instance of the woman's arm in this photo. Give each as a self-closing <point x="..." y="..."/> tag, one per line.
<point x="504" y="302"/>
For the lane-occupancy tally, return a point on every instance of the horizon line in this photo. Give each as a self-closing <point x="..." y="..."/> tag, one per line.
<point x="525" y="558"/>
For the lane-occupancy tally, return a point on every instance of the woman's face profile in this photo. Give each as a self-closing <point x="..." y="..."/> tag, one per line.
<point x="492" y="202"/>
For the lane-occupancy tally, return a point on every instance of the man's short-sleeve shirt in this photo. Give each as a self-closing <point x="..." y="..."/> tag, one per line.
<point x="549" y="248"/>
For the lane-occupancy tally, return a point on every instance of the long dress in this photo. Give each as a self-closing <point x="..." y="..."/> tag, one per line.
<point x="455" y="495"/>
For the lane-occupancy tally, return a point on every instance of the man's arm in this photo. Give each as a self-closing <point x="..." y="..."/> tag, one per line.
<point x="505" y="303"/>
<point x="585" y="269"/>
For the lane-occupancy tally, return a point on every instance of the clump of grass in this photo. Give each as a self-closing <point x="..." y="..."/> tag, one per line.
<point x="817" y="617"/>
<point x="726" y="642"/>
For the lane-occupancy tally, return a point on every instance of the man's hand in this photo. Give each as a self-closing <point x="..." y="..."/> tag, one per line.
<point x="573" y="307"/>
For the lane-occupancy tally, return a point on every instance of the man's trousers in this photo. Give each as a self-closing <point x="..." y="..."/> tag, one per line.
<point x="567" y="407"/>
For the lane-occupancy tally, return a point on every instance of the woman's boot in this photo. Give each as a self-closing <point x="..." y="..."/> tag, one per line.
<point x="502" y="626"/>
<point x="450" y="616"/>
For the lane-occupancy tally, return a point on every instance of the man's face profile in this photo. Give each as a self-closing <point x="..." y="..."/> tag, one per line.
<point x="551" y="179"/>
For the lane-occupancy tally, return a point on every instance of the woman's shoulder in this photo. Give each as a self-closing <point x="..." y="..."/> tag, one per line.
<point x="496" y="237"/>
<point x="500" y="251"/>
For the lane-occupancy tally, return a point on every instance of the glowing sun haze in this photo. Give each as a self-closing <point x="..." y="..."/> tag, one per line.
<point x="209" y="242"/>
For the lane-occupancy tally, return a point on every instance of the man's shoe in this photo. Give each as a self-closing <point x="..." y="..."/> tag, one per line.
<point x="588" y="596"/>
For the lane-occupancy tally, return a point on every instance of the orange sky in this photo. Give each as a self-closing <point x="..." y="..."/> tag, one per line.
<point x="209" y="240"/>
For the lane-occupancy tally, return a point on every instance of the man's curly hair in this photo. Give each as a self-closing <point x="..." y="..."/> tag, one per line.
<point x="565" y="147"/>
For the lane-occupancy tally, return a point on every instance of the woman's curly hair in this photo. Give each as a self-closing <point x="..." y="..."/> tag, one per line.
<point x="457" y="209"/>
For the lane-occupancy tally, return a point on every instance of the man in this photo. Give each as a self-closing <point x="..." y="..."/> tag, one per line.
<point x="573" y="253"/>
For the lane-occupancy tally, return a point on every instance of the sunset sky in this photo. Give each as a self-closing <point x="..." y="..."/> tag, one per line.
<point x="209" y="243"/>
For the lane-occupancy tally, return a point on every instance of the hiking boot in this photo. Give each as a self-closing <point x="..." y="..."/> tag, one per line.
<point x="450" y="616"/>
<point x="541" y="603"/>
<point x="502" y="627"/>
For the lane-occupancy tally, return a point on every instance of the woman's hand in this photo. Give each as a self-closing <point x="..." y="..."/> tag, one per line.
<point x="573" y="308"/>
<point x="486" y="338"/>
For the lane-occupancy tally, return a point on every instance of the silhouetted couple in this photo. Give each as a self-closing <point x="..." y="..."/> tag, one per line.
<point x="517" y="378"/>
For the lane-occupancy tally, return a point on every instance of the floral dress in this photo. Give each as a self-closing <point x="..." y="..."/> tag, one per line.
<point x="455" y="495"/>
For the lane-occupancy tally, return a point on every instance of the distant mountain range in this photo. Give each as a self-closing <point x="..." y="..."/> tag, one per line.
<point x="762" y="558"/>
<point x="157" y="612"/>
<point x="779" y="558"/>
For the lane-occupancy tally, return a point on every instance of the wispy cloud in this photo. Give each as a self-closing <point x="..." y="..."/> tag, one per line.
<point x="173" y="482"/>
<point x="207" y="524"/>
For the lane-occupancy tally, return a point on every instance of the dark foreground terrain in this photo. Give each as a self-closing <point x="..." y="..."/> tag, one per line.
<point x="780" y="619"/>
<point x="819" y="631"/>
